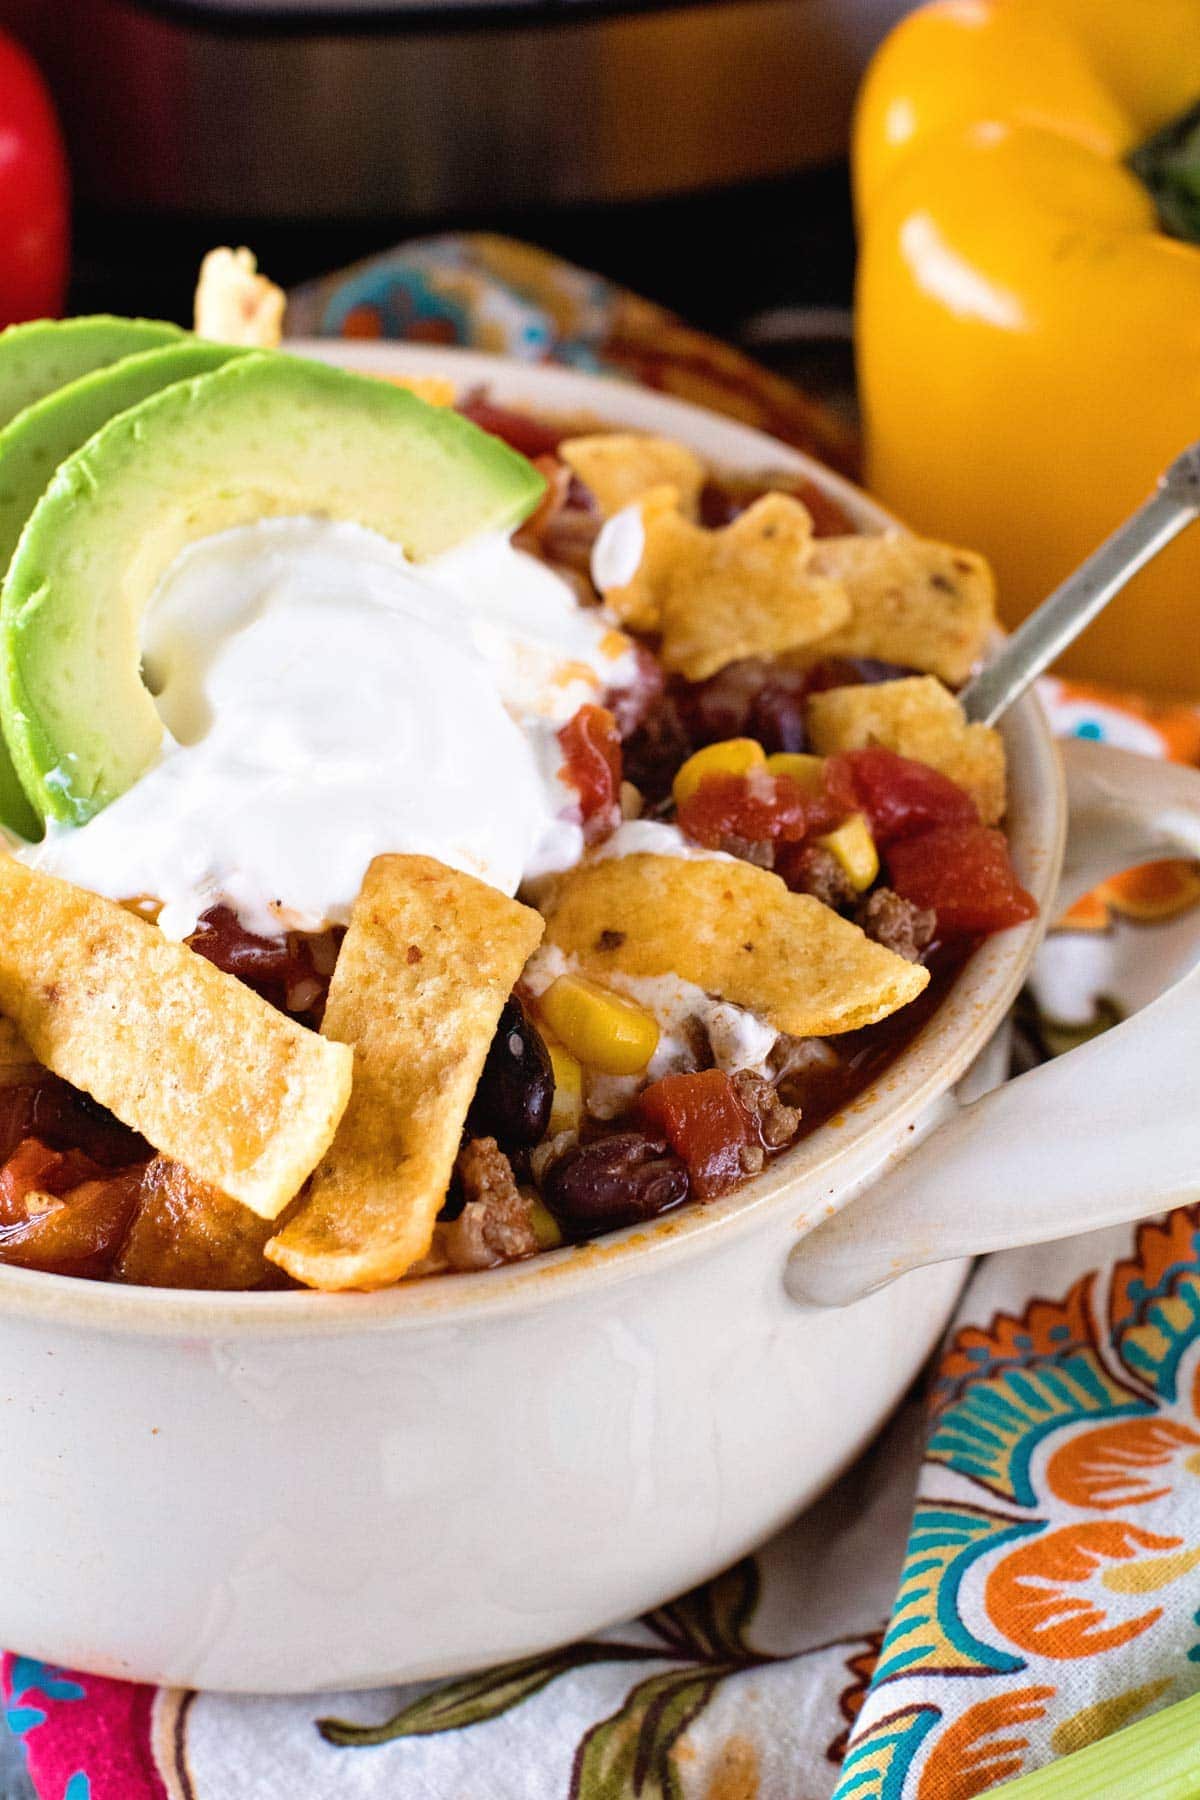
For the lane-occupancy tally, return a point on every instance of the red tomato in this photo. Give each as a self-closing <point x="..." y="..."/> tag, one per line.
<point x="592" y="749"/>
<point x="34" y="1168"/>
<point x="901" y="797"/>
<point x="760" y="805"/>
<point x="705" y="1123"/>
<point x="964" y="873"/>
<point x="530" y="436"/>
<point x="80" y="1234"/>
<point x="33" y="193"/>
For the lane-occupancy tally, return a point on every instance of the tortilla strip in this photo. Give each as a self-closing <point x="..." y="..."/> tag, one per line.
<point x="924" y="605"/>
<point x="750" y="589"/>
<point x="17" y="1061"/>
<point x="234" y="304"/>
<point x="736" y="931"/>
<point x="915" y="717"/>
<point x="618" y="467"/>
<point x="214" y="1077"/>
<point x="426" y="966"/>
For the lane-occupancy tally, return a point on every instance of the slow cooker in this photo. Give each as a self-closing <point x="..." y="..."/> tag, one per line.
<point x="366" y="109"/>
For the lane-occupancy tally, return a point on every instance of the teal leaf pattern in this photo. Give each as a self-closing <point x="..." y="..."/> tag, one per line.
<point x="994" y="1429"/>
<point x="927" y="1633"/>
<point x="878" y="1762"/>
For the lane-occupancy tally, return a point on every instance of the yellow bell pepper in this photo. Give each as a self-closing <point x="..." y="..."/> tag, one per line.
<point x="1028" y="333"/>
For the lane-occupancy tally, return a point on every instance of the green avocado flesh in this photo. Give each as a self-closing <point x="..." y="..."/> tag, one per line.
<point x="47" y="354"/>
<point x="266" y="436"/>
<point x="44" y="435"/>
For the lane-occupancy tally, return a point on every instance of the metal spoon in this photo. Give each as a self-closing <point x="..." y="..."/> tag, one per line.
<point x="1059" y="620"/>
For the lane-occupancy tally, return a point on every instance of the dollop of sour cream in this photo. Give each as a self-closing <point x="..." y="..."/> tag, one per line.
<point x="325" y="700"/>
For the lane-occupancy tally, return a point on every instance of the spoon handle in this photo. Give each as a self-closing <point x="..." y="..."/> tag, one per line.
<point x="1059" y="620"/>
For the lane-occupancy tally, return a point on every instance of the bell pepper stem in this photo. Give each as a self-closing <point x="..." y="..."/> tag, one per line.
<point x="1169" y="165"/>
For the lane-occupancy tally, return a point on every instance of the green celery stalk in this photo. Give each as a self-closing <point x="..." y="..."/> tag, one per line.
<point x="1156" y="1759"/>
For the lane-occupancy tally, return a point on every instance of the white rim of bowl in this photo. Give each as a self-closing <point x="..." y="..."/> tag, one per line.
<point x="937" y="1057"/>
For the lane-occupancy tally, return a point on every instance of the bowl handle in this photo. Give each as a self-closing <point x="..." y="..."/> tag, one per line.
<point x="1104" y="1135"/>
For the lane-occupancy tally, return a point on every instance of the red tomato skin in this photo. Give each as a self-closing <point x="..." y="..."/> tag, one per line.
<point x="705" y="1124"/>
<point x="902" y="798"/>
<point x="760" y="806"/>
<point x="530" y="436"/>
<point x="965" y="874"/>
<point x="34" y="206"/>
<point x="591" y="746"/>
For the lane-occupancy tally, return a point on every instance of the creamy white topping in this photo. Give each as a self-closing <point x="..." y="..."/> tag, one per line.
<point x="618" y="550"/>
<point x="686" y="1016"/>
<point x="654" y="837"/>
<point x="325" y="701"/>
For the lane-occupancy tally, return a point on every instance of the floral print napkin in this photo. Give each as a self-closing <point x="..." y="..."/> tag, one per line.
<point x="1043" y="1589"/>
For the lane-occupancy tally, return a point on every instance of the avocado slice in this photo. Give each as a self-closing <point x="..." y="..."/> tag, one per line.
<point x="267" y="435"/>
<point x="45" y="434"/>
<point x="48" y="353"/>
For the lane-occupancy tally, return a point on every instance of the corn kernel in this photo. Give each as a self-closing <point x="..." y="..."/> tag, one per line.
<point x="546" y="1228"/>
<point x="602" y="1029"/>
<point x="734" y="756"/>
<point x="854" y="848"/>
<point x="566" y="1112"/>
<point x="805" y="771"/>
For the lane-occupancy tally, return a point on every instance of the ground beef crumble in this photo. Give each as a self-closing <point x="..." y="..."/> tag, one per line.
<point x="759" y="851"/>
<point x="818" y="872"/>
<point x="897" y="923"/>
<point x="496" y="1223"/>
<point x="777" y="1123"/>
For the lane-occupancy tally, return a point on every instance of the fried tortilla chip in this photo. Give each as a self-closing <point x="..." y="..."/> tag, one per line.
<point x="718" y="596"/>
<point x="736" y="931"/>
<point x="926" y="606"/>
<point x="185" y="1234"/>
<point x="17" y="1061"/>
<point x="632" y="558"/>
<point x="210" y="1074"/>
<point x="918" y="718"/>
<point x="234" y="304"/>
<point x="427" y="964"/>
<point x="618" y="467"/>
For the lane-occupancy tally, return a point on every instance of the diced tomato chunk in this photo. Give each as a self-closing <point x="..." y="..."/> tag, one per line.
<point x="965" y="874"/>
<point x="705" y="1124"/>
<point x="532" y="437"/>
<point x="592" y="748"/>
<point x="78" y="1234"/>
<point x="901" y="797"/>
<point x="28" y="1170"/>
<point x="759" y="805"/>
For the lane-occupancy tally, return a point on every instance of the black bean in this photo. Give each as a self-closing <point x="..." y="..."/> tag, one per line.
<point x="616" y="1180"/>
<point x="516" y="1090"/>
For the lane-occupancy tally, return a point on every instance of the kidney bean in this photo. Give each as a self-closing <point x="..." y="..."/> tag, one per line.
<point x="754" y="698"/>
<point x="617" y="1180"/>
<point x="516" y="1090"/>
<point x="854" y="671"/>
<point x="777" y="715"/>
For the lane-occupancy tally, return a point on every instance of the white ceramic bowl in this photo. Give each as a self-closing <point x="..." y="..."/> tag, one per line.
<point x="290" y="1491"/>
